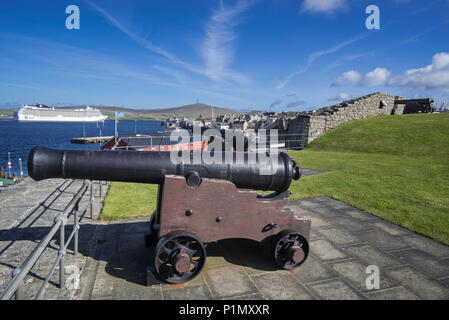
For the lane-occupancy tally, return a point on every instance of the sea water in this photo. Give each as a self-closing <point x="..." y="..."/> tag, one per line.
<point x="19" y="137"/>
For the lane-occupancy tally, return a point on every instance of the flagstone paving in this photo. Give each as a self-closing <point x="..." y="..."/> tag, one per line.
<point x="412" y="267"/>
<point x="27" y="211"/>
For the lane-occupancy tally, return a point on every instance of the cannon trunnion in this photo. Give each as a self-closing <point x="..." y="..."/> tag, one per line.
<point x="196" y="204"/>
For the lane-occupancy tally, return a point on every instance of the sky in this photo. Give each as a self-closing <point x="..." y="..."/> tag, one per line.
<point x="276" y="55"/>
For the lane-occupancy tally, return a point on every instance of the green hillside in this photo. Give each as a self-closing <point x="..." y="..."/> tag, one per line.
<point x="396" y="167"/>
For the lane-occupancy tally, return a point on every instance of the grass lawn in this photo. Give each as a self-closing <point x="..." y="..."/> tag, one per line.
<point x="129" y="200"/>
<point x="396" y="167"/>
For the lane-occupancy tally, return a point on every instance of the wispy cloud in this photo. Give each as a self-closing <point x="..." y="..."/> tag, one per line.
<point x="142" y="41"/>
<point x="295" y="104"/>
<point x="145" y="43"/>
<point x="18" y="85"/>
<point x="314" y="56"/>
<point x="217" y="49"/>
<point x="64" y="62"/>
<point x="351" y="57"/>
<point x="68" y="61"/>
<point x="176" y="74"/>
<point x="275" y="103"/>
<point x="415" y="37"/>
<point x="323" y="6"/>
<point x="340" y="97"/>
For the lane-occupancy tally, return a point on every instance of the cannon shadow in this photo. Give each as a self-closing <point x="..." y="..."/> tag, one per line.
<point x="119" y="247"/>
<point x="127" y="257"/>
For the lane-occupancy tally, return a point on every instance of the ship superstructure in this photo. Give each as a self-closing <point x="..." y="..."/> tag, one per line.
<point x="41" y="112"/>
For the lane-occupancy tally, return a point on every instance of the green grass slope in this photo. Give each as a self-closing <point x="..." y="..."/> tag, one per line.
<point x="411" y="135"/>
<point x="396" y="167"/>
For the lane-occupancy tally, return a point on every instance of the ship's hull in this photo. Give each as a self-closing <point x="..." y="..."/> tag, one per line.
<point x="60" y="119"/>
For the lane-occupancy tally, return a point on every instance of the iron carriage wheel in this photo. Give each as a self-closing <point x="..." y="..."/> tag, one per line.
<point x="180" y="256"/>
<point x="290" y="249"/>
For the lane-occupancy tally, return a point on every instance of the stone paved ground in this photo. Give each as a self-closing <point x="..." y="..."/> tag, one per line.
<point x="27" y="211"/>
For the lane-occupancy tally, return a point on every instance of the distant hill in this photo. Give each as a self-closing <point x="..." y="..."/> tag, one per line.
<point x="188" y="111"/>
<point x="6" y="113"/>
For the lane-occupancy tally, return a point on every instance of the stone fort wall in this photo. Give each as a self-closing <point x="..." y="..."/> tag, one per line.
<point x="307" y="127"/>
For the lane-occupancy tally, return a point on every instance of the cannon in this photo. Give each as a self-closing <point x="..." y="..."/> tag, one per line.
<point x="417" y="105"/>
<point x="198" y="201"/>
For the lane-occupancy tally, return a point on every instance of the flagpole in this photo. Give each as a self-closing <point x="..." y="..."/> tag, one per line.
<point x="21" y="171"/>
<point x="9" y="164"/>
<point x="115" y="133"/>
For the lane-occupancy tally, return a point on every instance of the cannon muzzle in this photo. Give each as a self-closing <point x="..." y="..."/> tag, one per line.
<point x="272" y="173"/>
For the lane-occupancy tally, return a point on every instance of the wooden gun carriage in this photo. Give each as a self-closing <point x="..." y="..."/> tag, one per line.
<point x="197" y="203"/>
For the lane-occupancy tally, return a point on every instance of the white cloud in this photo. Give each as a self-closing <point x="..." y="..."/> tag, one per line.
<point x="377" y="77"/>
<point x="434" y="76"/>
<point x="349" y="77"/>
<point x="431" y="77"/>
<point x="326" y="6"/>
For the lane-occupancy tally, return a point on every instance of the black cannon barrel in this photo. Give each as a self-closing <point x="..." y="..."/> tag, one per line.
<point x="151" y="167"/>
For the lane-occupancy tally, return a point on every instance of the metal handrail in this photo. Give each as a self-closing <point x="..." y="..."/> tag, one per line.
<point x="290" y="144"/>
<point x="16" y="284"/>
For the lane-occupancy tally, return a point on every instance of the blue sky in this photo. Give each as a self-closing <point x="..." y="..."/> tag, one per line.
<point x="241" y="54"/>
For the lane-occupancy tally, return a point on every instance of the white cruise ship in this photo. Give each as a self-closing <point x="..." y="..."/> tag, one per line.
<point x="42" y="112"/>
